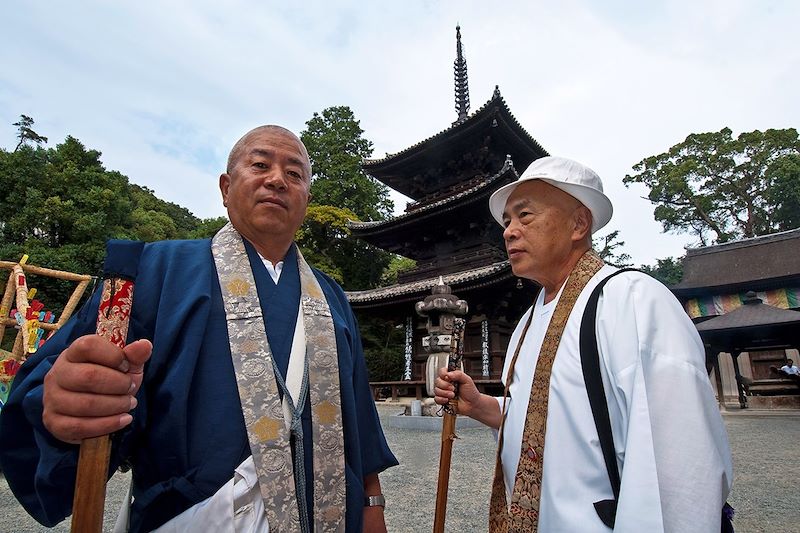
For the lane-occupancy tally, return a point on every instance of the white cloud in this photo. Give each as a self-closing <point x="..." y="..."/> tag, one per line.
<point x="164" y="89"/>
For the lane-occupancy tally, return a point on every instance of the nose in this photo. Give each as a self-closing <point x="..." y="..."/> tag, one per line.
<point x="275" y="178"/>
<point x="510" y="233"/>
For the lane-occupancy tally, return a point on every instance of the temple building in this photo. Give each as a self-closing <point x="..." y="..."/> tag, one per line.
<point x="448" y="231"/>
<point x="744" y="297"/>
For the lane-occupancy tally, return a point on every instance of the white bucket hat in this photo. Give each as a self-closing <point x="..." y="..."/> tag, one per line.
<point x="579" y="181"/>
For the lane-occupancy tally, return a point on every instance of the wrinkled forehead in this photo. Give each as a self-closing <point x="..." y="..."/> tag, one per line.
<point x="538" y="193"/>
<point x="265" y="137"/>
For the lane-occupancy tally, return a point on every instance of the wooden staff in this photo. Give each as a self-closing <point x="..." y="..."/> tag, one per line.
<point x="448" y="430"/>
<point x="122" y="258"/>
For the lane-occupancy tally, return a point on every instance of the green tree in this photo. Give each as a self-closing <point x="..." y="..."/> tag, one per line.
<point x="397" y="265"/>
<point x="326" y="243"/>
<point x="668" y="271"/>
<point x="342" y="191"/>
<point x="25" y="132"/>
<point x="785" y="192"/>
<point x="606" y="247"/>
<point x="207" y="227"/>
<point x="718" y="187"/>
<point x="383" y="342"/>
<point x="181" y="221"/>
<point x="336" y="147"/>
<point x="60" y="205"/>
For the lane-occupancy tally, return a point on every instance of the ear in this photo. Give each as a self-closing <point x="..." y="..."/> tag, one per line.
<point x="582" y="218"/>
<point x="224" y="184"/>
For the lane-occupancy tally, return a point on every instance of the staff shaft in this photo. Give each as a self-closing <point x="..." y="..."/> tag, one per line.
<point x="445" y="456"/>
<point x="95" y="453"/>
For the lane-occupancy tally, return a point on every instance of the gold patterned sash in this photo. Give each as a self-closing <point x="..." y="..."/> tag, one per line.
<point x="261" y="403"/>
<point x="523" y="514"/>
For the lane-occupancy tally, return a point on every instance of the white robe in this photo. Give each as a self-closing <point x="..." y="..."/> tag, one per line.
<point x="671" y="445"/>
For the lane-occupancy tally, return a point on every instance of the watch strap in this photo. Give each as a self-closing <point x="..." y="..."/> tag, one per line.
<point x="375" y="501"/>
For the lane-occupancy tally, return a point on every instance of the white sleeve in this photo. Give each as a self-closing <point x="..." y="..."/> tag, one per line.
<point x="676" y="461"/>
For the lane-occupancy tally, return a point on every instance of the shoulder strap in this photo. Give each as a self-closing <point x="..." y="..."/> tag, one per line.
<point x="590" y="363"/>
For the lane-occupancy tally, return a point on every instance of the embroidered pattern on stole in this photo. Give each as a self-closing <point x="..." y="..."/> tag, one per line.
<point x="523" y="514"/>
<point x="261" y="403"/>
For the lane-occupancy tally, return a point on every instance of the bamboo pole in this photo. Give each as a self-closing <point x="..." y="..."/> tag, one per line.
<point x="50" y="273"/>
<point x="5" y="306"/>
<point x="8" y="296"/>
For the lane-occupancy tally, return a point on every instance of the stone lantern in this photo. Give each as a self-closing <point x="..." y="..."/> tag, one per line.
<point x="441" y="309"/>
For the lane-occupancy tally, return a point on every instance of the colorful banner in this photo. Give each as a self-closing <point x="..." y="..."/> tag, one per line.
<point x="786" y="298"/>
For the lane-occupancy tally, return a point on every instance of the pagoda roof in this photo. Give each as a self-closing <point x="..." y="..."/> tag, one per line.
<point x="396" y="169"/>
<point x="480" y="189"/>
<point x="757" y="263"/>
<point x="462" y="281"/>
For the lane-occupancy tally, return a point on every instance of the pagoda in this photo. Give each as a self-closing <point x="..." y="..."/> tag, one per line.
<point x="448" y="230"/>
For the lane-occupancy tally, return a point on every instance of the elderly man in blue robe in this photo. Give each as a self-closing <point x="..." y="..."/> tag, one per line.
<point x="243" y="402"/>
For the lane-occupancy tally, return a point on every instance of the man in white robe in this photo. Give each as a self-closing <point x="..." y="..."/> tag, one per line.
<point x="670" y="442"/>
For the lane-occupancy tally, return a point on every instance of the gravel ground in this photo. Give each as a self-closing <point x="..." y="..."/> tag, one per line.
<point x="765" y="495"/>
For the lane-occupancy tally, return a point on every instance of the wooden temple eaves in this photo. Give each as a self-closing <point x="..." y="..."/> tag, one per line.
<point x="491" y="130"/>
<point x="758" y="263"/>
<point x="461" y="282"/>
<point x="477" y="190"/>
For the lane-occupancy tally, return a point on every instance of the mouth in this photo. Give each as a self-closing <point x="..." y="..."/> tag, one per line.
<point x="514" y="252"/>
<point x="273" y="201"/>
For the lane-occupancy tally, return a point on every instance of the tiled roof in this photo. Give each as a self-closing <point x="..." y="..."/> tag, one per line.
<point x="747" y="262"/>
<point x="496" y="99"/>
<point x="455" y="280"/>
<point x="439" y="206"/>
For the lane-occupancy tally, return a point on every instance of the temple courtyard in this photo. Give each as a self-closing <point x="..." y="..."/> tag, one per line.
<point x="766" y="493"/>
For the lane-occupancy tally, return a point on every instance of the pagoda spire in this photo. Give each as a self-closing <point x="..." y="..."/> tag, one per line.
<point x="462" y="84"/>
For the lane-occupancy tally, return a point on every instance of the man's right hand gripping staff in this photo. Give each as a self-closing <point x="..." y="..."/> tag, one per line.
<point x="92" y="387"/>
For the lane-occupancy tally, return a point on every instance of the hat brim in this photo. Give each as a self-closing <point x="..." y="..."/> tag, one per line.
<point x="597" y="202"/>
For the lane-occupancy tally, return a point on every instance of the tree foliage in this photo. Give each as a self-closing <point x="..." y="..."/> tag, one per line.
<point x="785" y="192"/>
<point x="60" y="205"/>
<point x="25" y="133"/>
<point x="718" y="187"/>
<point x="668" y="271"/>
<point x="607" y="248"/>
<point x="397" y="265"/>
<point x="383" y="342"/>
<point x="342" y="191"/>
<point x="326" y="243"/>
<point x="336" y="146"/>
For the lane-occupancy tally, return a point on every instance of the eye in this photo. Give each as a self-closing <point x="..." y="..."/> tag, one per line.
<point x="260" y="164"/>
<point x="295" y="174"/>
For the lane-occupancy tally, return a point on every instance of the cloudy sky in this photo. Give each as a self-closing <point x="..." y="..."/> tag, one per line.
<point x="163" y="89"/>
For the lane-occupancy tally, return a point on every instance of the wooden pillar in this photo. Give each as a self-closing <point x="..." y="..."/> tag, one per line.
<point x="742" y="399"/>
<point x="717" y="375"/>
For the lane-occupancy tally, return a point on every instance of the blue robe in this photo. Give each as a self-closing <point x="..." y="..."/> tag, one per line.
<point x="188" y="432"/>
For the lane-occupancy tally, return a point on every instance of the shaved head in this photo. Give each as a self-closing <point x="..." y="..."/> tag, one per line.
<point x="236" y="151"/>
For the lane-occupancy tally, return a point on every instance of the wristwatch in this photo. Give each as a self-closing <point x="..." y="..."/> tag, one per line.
<point x="375" y="501"/>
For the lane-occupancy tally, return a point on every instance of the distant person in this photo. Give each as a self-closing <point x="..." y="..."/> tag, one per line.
<point x="243" y="402"/>
<point x="671" y="446"/>
<point x="790" y="369"/>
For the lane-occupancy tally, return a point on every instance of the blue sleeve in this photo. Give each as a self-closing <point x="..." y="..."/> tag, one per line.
<point x="375" y="453"/>
<point x="39" y="468"/>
